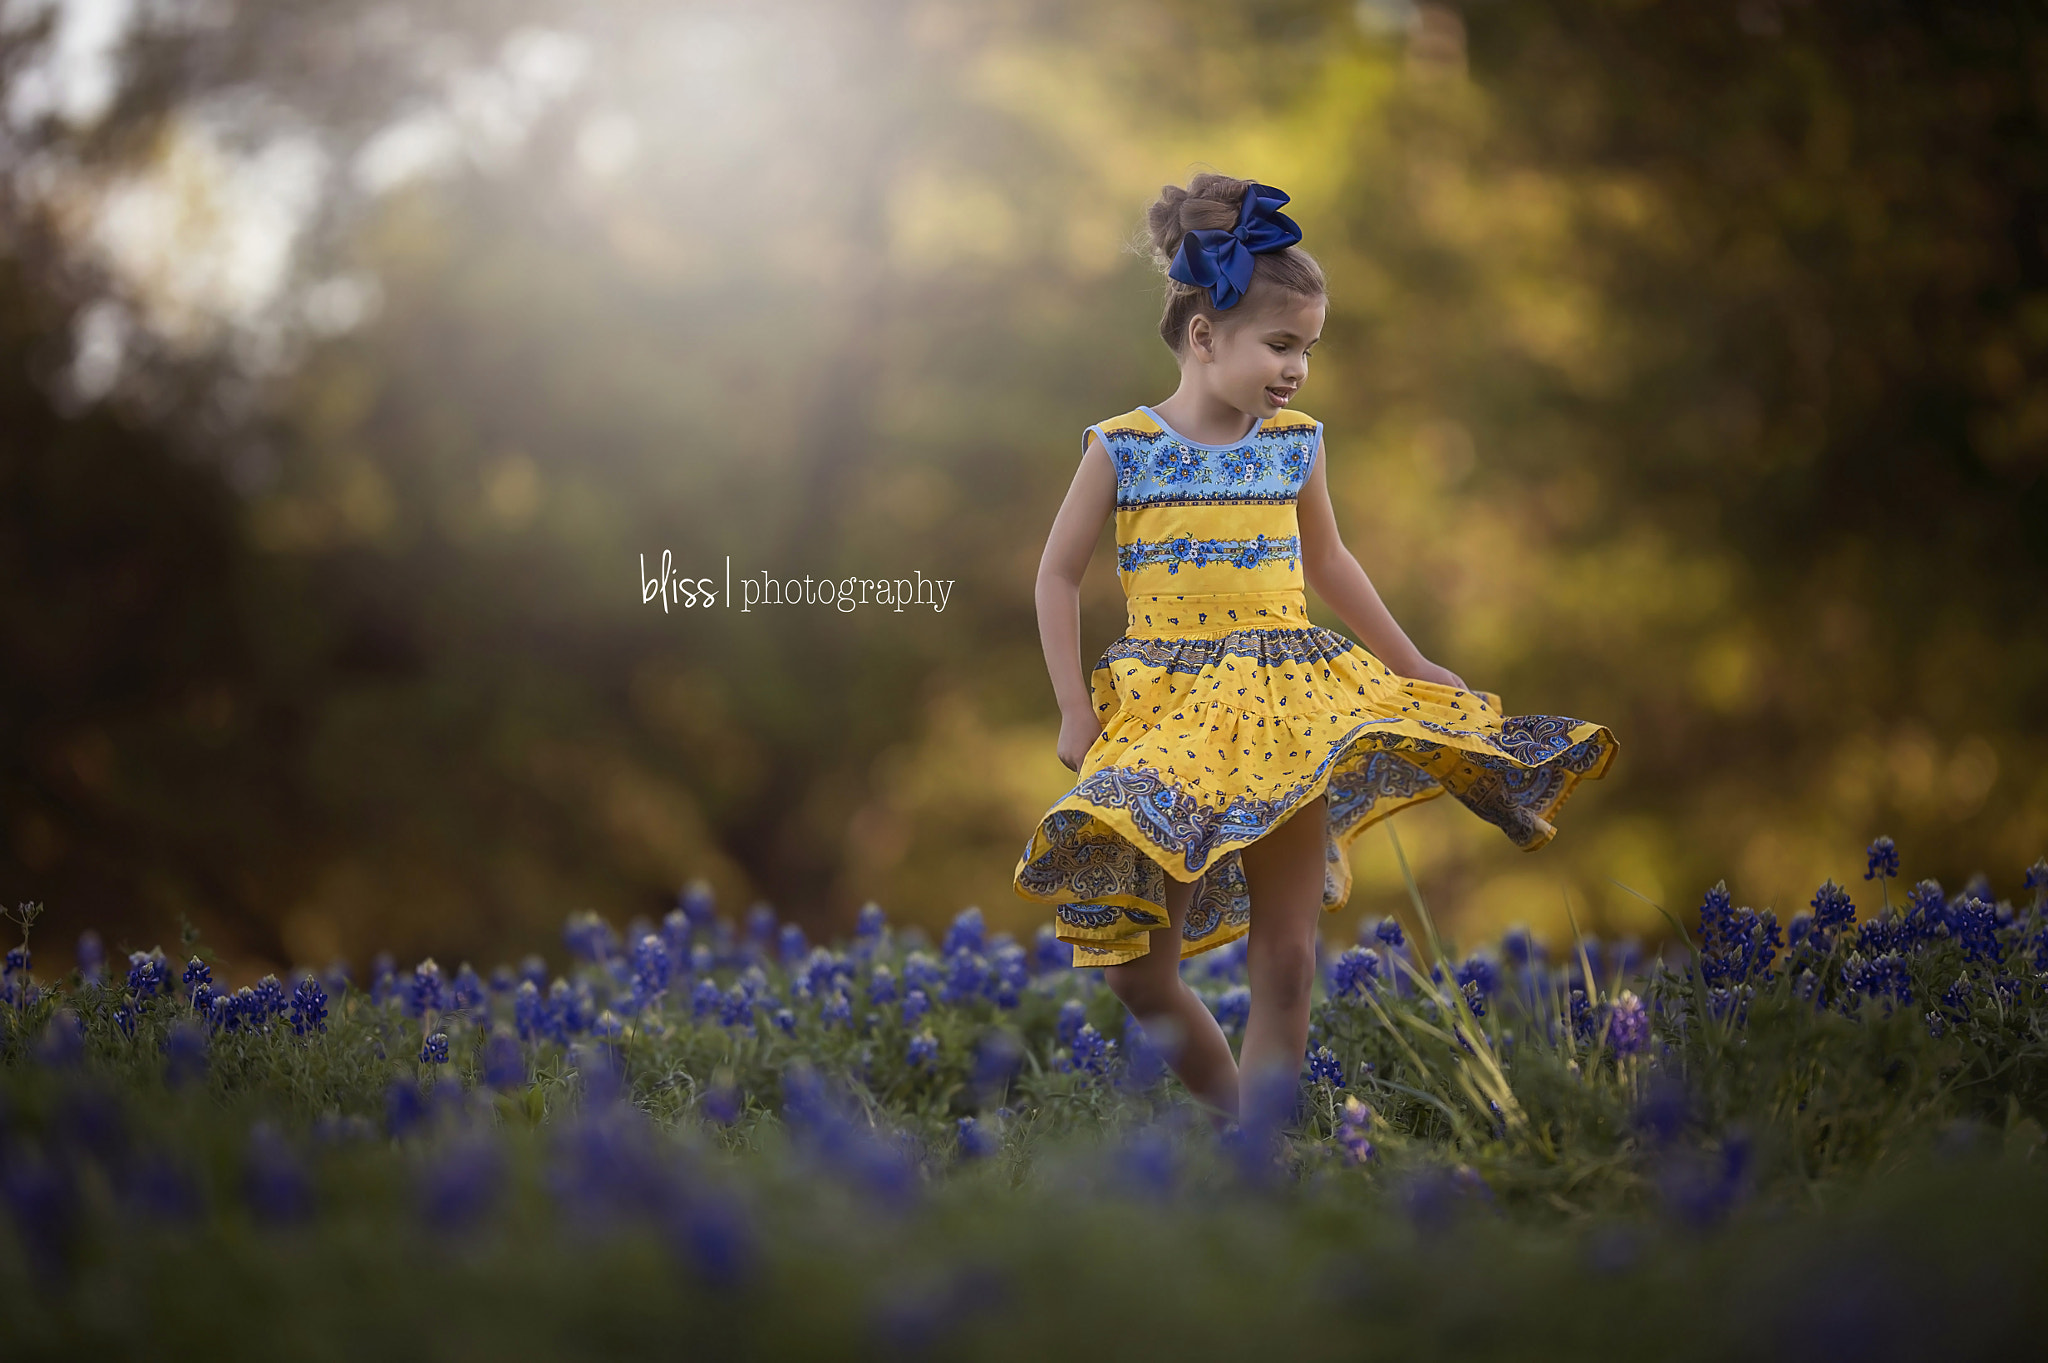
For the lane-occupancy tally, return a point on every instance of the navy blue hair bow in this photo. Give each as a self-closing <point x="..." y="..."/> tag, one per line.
<point x="1220" y="261"/>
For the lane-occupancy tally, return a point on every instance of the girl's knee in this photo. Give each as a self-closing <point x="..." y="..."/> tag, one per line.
<point x="1141" y="985"/>
<point x="1286" y="971"/>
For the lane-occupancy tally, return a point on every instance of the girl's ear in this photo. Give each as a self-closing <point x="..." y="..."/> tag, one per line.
<point x="1201" y="338"/>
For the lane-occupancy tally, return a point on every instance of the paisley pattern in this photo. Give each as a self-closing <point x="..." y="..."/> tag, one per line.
<point x="1224" y="710"/>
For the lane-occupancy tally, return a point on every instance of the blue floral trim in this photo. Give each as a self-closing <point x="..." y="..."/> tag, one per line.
<point x="1187" y="549"/>
<point x="1311" y="644"/>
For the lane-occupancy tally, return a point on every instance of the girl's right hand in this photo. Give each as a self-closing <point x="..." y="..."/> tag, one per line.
<point x="1078" y="733"/>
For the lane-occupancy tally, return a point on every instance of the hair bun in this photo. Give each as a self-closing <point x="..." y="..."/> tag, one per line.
<point x="1210" y="202"/>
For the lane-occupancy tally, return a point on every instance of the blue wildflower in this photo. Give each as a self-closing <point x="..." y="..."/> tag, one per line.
<point x="504" y="1063"/>
<point x="722" y="1101"/>
<point x="1072" y="1018"/>
<point x="1354" y="1130"/>
<point x="403" y="1107"/>
<point x="1356" y="971"/>
<point x="920" y="971"/>
<point x="1884" y="859"/>
<point x="1325" y="1068"/>
<point x="309" y="1007"/>
<point x="760" y="922"/>
<point x="607" y="1026"/>
<point x="197" y="972"/>
<point x="792" y="944"/>
<point x="588" y="937"/>
<point x="652" y="968"/>
<point x="1048" y="952"/>
<point x="91" y="956"/>
<point x="786" y="1021"/>
<point x="529" y="1012"/>
<point x="882" y="986"/>
<point x="997" y="1058"/>
<point x="707" y="998"/>
<point x="975" y="1140"/>
<point x="428" y="993"/>
<point x="148" y="974"/>
<point x="467" y="991"/>
<point x="698" y="904"/>
<point x="966" y="977"/>
<point x="461" y="1182"/>
<point x="1389" y="932"/>
<point x="915" y="1006"/>
<point x="967" y="933"/>
<point x="869" y="926"/>
<point x="62" y="1042"/>
<point x="435" y="1050"/>
<point x="1481" y="972"/>
<point x="1233" y="1008"/>
<point x="274" y="1181"/>
<point x="267" y="1000"/>
<point x="1092" y="1052"/>
<point x="1736" y="945"/>
<point x="1628" y="1025"/>
<point x="837" y="1012"/>
<point x="923" y="1051"/>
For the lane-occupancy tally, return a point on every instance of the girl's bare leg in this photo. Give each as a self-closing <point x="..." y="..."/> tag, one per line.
<point x="1284" y="870"/>
<point x="1178" y="1022"/>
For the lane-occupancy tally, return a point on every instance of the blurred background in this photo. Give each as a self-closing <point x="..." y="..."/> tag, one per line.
<point x="1686" y="369"/>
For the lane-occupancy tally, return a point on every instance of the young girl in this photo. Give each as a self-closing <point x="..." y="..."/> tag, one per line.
<point x="1229" y="751"/>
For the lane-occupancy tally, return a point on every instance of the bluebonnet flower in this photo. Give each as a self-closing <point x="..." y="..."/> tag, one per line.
<point x="124" y="1018"/>
<point x="460" y="1183"/>
<point x="148" y="974"/>
<point x="702" y="960"/>
<point x="467" y="991"/>
<point x="504" y="1063"/>
<point x="1146" y="1159"/>
<point x="428" y="992"/>
<point x="915" y="1006"/>
<point x="309" y="1007"/>
<point x="760" y="922"/>
<point x="1699" y="1189"/>
<point x="920" y="971"/>
<point x="923" y="1051"/>
<point x="2037" y="877"/>
<point x="722" y="1100"/>
<point x="1226" y="962"/>
<point x="652" y="969"/>
<point x="738" y="1008"/>
<point x="1356" y="971"/>
<point x="197" y="972"/>
<point x="403" y="1108"/>
<point x="966" y="977"/>
<point x="675" y="936"/>
<point x="882" y="986"/>
<point x="1736" y="945"/>
<point x="534" y="968"/>
<point x="336" y="979"/>
<point x="698" y="904"/>
<point x="1144" y="1059"/>
<point x="1521" y="948"/>
<point x="819" y="1119"/>
<point x="710" y="1230"/>
<point x="1475" y="999"/>
<point x="274" y="1181"/>
<point x="1584" y="1021"/>
<point x="1011" y="971"/>
<point x="1936" y="1025"/>
<point x="91" y="956"/>
<point x="837" y="1012"/>
<point x="1884" y="859"/>
<point x="202" y="998"/>
<point x="967" y="933"/>
<point x="975" y="1140"/>
<point x="1354" y="1130"/>
<point x="1073" y="1017"/>
<point x="870" y="924"/>
<point x="1974" y="923"/>
<point x="1049" y="953"/>
<point x="267" y="1000"/>
<point x="1628" y="1026"/>
<point x="435" y="1049"/>
<point x="1478" y="970"/>
<point x="707" y="998"/>
<point x="1389" y="932"/>
<point x="1325" y="1068"/>
<point x="588" y="937"/>
<point x="997" y="1057"/>
<point x="786" y="1021"/>
<point x="62" y="1043"/>
<point x="1233" y="1008"/>
<point x="383" y="978"/>
<point x="529" y="1012"/>
<point x="570" y="1008"/>
<point x="607" y="1025"/>
<point x="1832" y="909"/>
<point x="792" y="943"/>
<point x="1091" y="1052"/>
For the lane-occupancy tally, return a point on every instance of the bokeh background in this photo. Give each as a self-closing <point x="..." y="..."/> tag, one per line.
<point x="1686" y="369"/>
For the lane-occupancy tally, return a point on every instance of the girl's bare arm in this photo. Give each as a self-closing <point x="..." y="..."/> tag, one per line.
<point x="1075" y="529"/>
<point x="1337" y="577"/>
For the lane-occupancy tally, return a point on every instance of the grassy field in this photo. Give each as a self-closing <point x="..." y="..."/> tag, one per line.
<point x="1821" y="1138"/>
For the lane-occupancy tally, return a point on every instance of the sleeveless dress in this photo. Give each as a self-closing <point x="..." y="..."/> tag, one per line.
<point x="1224" y="709"/>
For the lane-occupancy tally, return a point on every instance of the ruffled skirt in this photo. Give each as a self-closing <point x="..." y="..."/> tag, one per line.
<point x="1212" y="739"/>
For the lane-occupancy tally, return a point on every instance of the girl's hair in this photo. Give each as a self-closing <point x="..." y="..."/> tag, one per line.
<point x="1213" y="202"/>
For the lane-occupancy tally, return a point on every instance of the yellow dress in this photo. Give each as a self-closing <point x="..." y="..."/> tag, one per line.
<point x="1224" y="710"/>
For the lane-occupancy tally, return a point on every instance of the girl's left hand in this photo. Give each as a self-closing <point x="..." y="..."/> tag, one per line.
<point x="1442" y="676"/>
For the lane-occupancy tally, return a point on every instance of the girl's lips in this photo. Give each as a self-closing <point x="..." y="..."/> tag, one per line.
<point x="1279" y="396"/>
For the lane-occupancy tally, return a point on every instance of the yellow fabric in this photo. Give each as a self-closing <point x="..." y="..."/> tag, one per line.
<point x="1224" y="709"/>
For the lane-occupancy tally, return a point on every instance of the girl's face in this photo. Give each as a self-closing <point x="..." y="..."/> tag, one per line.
<point x="1257" y="363"/>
